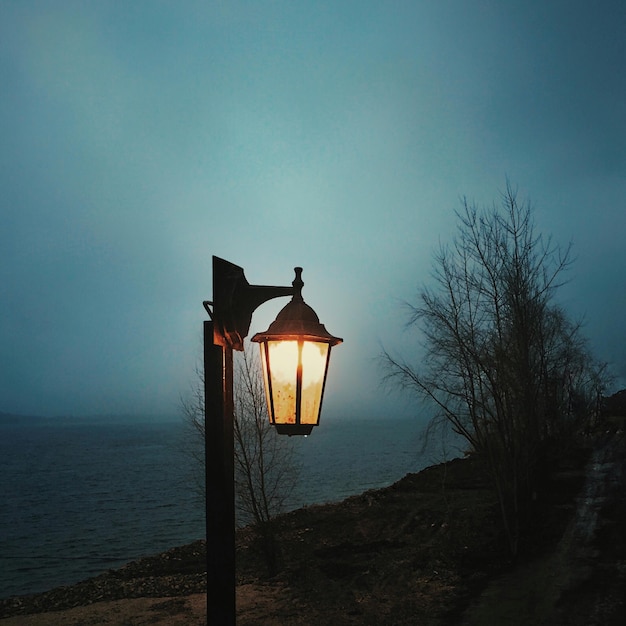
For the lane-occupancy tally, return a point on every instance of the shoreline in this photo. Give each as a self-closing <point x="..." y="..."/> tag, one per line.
<point x="425" y="549"/>
<point x="75" y="531"/>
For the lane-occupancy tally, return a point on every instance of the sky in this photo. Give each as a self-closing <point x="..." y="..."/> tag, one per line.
<point x="140" y="138"/>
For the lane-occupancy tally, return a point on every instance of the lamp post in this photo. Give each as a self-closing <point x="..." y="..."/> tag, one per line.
<point x="295" y="352"/>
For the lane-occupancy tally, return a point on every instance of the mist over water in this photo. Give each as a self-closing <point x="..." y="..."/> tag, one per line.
<point x="81" y="497"/>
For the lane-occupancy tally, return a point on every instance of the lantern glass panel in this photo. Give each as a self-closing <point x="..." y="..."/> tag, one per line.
<point x="266" y="386"/>
<point x="314" y="356"/>
<point x="283" y="363"/>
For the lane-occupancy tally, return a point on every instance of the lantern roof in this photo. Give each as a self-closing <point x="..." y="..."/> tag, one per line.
<point x="297" y="320"/>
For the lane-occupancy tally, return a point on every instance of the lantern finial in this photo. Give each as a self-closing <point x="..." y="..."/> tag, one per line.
<point x="297" y="285"/>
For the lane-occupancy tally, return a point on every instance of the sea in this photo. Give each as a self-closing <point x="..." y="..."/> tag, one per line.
<point x="81" y="496"/>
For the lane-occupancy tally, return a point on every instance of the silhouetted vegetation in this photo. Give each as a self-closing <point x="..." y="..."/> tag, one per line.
<point x="266" y="471"/>
<point x="503" y="364"/>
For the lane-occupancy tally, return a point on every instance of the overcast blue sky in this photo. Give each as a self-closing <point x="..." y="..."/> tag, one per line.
<point x="140" y="138"/>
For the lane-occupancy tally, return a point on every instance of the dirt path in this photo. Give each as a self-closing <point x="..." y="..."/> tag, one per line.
<point x="134" y="612"/>
<point x="583" y="580"/>
<point x="256" y="604"/>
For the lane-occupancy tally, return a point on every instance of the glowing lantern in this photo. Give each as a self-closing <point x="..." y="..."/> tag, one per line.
<point x="295" y="351"/>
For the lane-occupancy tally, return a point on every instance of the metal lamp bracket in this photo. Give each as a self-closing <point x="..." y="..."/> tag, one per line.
<point x="234" y="301"/>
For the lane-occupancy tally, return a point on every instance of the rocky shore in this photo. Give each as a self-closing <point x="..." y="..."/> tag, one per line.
<point x="425" y="550"/>
<point x="177" y="572"/>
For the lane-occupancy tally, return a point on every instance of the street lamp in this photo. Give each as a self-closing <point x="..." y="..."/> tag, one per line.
<point x="295" y="352"/>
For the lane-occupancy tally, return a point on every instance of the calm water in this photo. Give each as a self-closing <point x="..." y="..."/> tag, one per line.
<point x="79" y="498"/>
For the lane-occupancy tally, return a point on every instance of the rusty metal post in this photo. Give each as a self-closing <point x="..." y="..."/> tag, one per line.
<point x="220" y="481"/>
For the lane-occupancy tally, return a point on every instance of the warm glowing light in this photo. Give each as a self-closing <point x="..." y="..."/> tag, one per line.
<point x="293" y="362"/>
<point x="283" y="356"/>
<point x="313" y="371"/>
<point x="284" y="359"/>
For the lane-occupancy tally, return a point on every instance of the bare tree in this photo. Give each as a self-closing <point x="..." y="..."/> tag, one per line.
<point x="503" y="365"/>
<point x="266" y="470"/>
<point x="192" y="444"/>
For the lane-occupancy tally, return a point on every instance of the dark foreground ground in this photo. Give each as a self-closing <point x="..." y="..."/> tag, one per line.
<point x="426" y="550"/>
